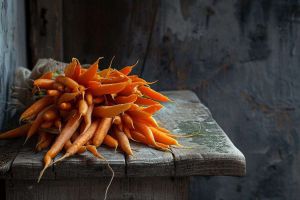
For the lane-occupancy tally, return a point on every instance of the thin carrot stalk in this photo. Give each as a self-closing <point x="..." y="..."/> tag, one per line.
<point x="110" y="111"/>
<point x="65" y="106"/>
<point x="17" y="132"/>
<point x="53" y="93"/>
<point x="163" y="137"/>
<point x="46" y="124"/>
<point x="47" y="75"/>
<point x="153" y="108"/>
<point x="82" y="107"/>
<point x="145" y="101"/>
<point x="44" y="83"/>
<point x="89" y="98"/>
<point x="36" y="107"/>
<point x="153" y="94"/>
<point x="36" y="123"/>
<point x="123" y="141"/>
<point x="127" y="120"/>
<point x="50" y="115"/>
<point x="64" y="136"/>
<point x="68" y="82"/>
<point x="110" y="141"/>
<point x="89" y="74"/>
<point x="80" y="141"/>
<point x="66" y="97"/>
<point x="117" y="120"/>
<point x="126" y="70"/>
<point x="88" y="117"/>
<point x="126" y="99"/>
<point x="101" y="131"/>
<point x="101" y="89"/>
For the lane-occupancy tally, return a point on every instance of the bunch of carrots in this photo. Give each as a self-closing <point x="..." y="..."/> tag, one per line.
<point x="84" y="108"/>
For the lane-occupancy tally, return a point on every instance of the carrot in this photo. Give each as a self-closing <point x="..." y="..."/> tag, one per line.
<point x="111" y="111"/>
<point x="46" y="124"/>
<point x="72" y="70"/>
<point x="44" y="141"/>
<point x="138" y="114"/>
<point x="145" y="101"/>
<point x="17" y="132"/>
<point x="98" y="90"/>
<point x="88" y="117"/>
<point x="150" y="121"/>
<point x="65" y="106"/>
<point x="57" y="124"/>
<point x="53" y="93"/>
<point x="98" y="100"/>
<point x="66" y="97"/>
<point x="89" y="98"/>
<point x="131" y="88"/>
<point x="101" y="131"/>
<point x="153" y="108"/>
<point x="123" y="141"/>
<point x="146" y="131"/>
<point x="162" y="137"/>
<point x="44" y="83"/>
<point x="93" y="150"/>
<point x="153" y="94"/>
<point x="112" y="80"/>
<point x="80" y="141"/>
<point x="110" y="141"/>
<point x="58" y="86"/>
<point x="134" y="107"/>
<point x="127" y="132"/>
<point x="82" y="107"/>
<point x="68" y="144"/>
<point x="117" y="120"/>
<point x="36" y="107"/>
<point x="47" y="75"/>
<point x="68" y="82"/>
<point x="50" y="115"/>
<point x="89" y="74"/>
<point x="126" y="99"/>
<point x="127" y="120"/>
<point x="137" y="136"/>
<point x="64" y="136"/>
<point x="36" y="123"/>
<point x="126" y="70"/>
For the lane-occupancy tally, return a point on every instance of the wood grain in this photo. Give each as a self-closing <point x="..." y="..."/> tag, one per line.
<point x="82" y="189"/>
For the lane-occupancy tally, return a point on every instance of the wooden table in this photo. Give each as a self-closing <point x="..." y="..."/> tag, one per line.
<point x="149" y="174"/>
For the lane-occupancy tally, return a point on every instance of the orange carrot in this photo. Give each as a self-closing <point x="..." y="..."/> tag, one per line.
<point x="57" y="124"/>
<point x="72" y="70"/>
<point x="89" y="98"/>
<point x="53" y="92"/>
<point x="66" y="97"/>
<point x="117" y="120"/>
<point x="93" y="150"/>
<point x="89" y="74"/>
<point x="82" y="107"/>
<point x="126" y="70"/>
<point x="65" y="106"/>
<point x="126" y="99"/>
<point x="127" y="120"/>
<point x="50" y="115"/>
<point x="138" y="114"/>
<point x="88" y="117"/>
<point x="162" y="137"/>
<point x="98" y="90"/>
<point x="44" y="83"/>
<point x="44" y="141"/>
<point x="153" y="94"/>
<point x="47" y="75"/>
<point x="101" y="131"/>
<point x="47" y="124"/>
<point x="145" y="101"/>
<point x="58" y="86"/>
<point x="127" y="132"/>
<point x="123" y="141"/>
<point x="146" y="131"/>
<point x="36" y="107"/>
<point x="98" y="100"/>
<point x="110" y="141"/>
<point x="64" y="136"/>
<point x="68" y="82"/>
<point x="111" y="111"/>
<point x="17" y="132"/>
<point x="153" y="108"/>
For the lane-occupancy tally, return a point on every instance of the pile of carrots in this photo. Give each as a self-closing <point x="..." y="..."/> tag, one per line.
<point x="83" y="108"/>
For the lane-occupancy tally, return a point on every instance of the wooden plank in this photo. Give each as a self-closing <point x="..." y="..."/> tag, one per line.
<point x="210" y="151"/>
<point x="45" y="32"/>
<point x="149" y="162"/>
<point x="79" y="189"/>
<point x="28" y="165"/>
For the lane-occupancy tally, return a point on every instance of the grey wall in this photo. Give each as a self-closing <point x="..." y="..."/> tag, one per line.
<point x="12" y="47"/>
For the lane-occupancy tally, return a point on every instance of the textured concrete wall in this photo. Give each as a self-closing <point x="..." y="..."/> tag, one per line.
<point x="12" y="47"/>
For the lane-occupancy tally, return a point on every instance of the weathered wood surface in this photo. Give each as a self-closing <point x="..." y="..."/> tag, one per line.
<point x="157" y="188"/>
<point x="208" y="152"/>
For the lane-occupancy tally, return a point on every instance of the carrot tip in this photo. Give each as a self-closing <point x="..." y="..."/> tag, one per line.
<point x="62" y="158"/>
<point x="42" y="173"/>
<point x="27" y="138"/>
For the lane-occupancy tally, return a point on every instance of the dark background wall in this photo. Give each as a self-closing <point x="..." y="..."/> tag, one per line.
<point x="241" y="57"/>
